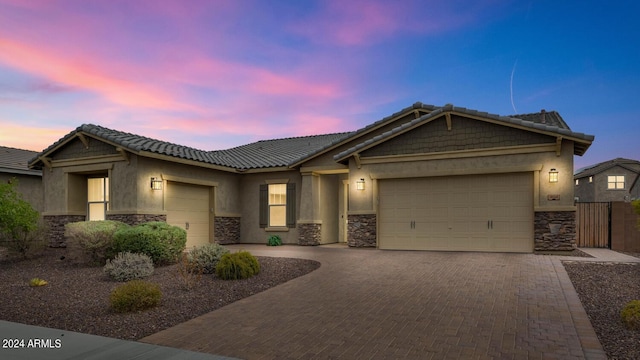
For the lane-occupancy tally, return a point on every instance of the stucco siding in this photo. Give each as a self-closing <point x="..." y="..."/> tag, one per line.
<point x="329" y="208"/>
<point x="76" y="149"/>
<point x="465" y="134"/>
<point x="249" y="200"/>
<point x="29" y="186"/>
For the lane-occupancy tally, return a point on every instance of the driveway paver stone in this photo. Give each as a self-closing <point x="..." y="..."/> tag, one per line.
<point x="375" y="304"/>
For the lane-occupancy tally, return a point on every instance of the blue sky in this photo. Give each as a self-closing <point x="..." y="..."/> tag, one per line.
<point x="217" y="74"/>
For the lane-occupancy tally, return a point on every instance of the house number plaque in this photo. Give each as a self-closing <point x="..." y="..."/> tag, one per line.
<point x="553" y="197"/>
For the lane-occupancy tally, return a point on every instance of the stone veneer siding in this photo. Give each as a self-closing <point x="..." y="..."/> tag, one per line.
<point x="309" y="234"/>
<point x="555" y="230"/>
<point x="226" y="230"/>
<point x="136" y="219"/>
<point x="56" y="225"/>
<point x="361" y="231"/>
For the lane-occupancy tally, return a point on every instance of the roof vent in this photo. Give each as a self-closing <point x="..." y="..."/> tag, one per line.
<point x="543" y="116"/>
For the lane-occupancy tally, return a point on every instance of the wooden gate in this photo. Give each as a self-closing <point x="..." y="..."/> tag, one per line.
<point x="592" y="223"/>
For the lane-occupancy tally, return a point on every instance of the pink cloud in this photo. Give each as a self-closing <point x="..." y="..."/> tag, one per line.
<point x="363" y="22"/>
<point x="28" y="137"/>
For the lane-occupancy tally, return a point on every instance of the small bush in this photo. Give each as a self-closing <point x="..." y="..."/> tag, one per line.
<point x="128" y="266"/>
<point x="136" y="295"/>
<point x="20" y="229"/>
<point x="274" y="240"/>
<point x="37" y="282"/>
<point x="206" y="257"/>
<point x="630" y="315"/>
<point x="164" y="243"/>
<point x="239" y="265"/>
<point x="91" y="242"/>
<point x="189" y="273"/>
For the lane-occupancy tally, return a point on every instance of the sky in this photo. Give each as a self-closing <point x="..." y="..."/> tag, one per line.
<point x="217" y="74"/>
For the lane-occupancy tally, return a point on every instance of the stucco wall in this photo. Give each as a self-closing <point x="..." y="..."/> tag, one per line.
<point x="600" y="185"/>
<point x="29" y="186"/>
<point x="329" y="198"/>
<point x="249" y="201"/>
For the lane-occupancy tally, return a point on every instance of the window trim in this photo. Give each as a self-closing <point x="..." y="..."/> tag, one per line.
<point x="616" y="182"/>
<point x="290" y="206"/>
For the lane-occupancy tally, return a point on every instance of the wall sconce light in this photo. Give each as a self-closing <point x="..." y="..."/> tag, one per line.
<point x="553" y="175"/>
<point x="360" y="184"/>
<point x="156" y="184"/>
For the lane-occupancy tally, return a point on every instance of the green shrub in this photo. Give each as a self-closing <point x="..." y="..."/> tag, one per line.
<point x="135" y="295"/>
<point x="239" y="265"/>
<point x="91" y="242"/>
<point x="206" y="257"/>
<point x="164" y="243"/>
<point x="274" y="240"/>
<point x="21" y="230"/>
<point x="128" y="266"/>
<point x="630" y="315"/>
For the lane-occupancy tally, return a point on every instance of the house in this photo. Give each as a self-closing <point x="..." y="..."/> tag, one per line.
<point x="14" y="165"/>
<point x="612" y="180"/>
<point x="426" y="177"/>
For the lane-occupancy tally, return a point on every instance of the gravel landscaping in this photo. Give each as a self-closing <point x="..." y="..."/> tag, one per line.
<point x="604" y="289"/>
<point x="77" y="298"/>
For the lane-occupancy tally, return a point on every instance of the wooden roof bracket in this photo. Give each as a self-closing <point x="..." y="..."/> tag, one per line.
<point x="47" y="162"/>
<point x="356" y="156"/>
<point x="447" y="116"/>
<point x="84" y="140"/>
<point x="558" y="145"/>
<point x="124" y="154"/>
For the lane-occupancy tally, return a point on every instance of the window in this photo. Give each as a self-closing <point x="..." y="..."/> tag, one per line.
<point x="577" y="182"/>
<point x="615" y="182"/>
<point x="590" y="179"/>
<point x="97" y="198"/>
<point x="277" y="205"/>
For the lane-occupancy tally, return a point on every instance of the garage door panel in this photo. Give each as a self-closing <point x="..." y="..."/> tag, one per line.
<point x="460" y="213"/>
<point x="187" y="207"/>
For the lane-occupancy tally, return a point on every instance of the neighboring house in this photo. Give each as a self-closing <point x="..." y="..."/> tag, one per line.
<point x="613" y="180"/>
<point x="14" y="165"/>
<point x="426" y="177"/>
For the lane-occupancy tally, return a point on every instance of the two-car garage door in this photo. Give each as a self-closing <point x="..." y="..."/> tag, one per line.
<point x="457" y="213"/>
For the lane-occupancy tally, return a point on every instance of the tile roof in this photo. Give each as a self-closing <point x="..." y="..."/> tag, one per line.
<point x="261" y="154"/>
<point x="289" y="151"/>
<point x="550" y="122"/>
<point x="632" y="165"/>
<point x="16" y="161"/>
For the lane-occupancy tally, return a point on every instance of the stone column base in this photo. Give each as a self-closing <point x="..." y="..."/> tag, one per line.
<point x="555" y="230"/>
<point x="361" y="230"/>
<point x="226" y="230"/>
<point x="56" y="225"/>
<point x="309" y="234"/>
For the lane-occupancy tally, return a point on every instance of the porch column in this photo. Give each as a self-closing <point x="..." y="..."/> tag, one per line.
<point x="309" y="223"/>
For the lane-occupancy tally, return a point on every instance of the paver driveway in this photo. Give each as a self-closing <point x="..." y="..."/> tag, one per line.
<point x="367" y="303"/>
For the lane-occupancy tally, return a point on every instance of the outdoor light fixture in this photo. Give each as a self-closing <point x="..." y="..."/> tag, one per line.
<point x="156" y="184"/>
<point x="360" y="184"/>
<point x="553" y="175"/>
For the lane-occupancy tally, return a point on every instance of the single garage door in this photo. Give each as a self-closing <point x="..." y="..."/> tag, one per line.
<point x="188" y="207"/>
<point x="457" y="213"/>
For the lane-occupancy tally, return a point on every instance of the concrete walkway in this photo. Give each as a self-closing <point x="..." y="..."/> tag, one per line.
<point x="374" y="304"/>
<point x="371" y="304"/>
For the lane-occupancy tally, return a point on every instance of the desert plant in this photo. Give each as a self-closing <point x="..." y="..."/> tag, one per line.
<point x="206" y="257"/>
<point x="164" y="243"/>
<point x="274" y="240"/>
<point x="128" y="266"/>
<point x="630" y="315"/>
<point x="21" y="230"/>
<point x="239" y="265"/>
<point x="91" y="242"/>
<point x="37" y="282"/>
<point x="188" y="272"/>
<point x="135" y="295"/>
